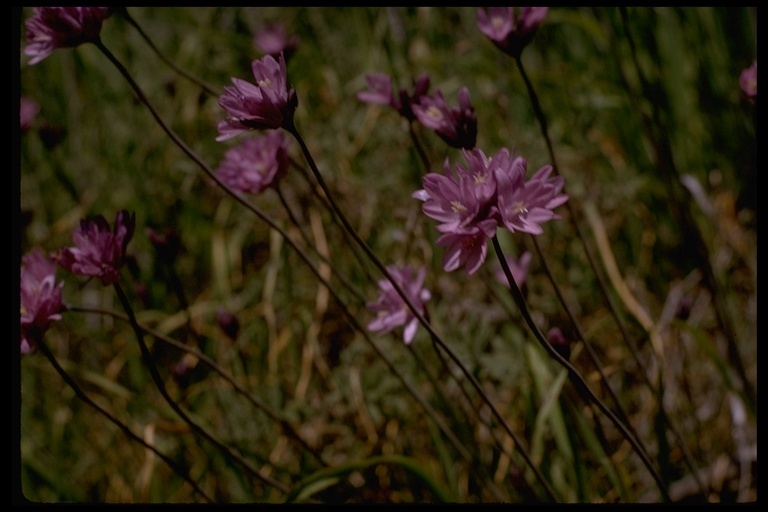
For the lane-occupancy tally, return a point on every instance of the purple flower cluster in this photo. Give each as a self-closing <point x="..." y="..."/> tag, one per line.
<point x="256" y="164"/>
<point x="748" y="81"/>
<point x="40" y="298"/>
<point x="62" y="27"/>
<point x="268" y="104"/>
<point x="489" y="192"/>
<point x="511" y="28"/>
<point x="456" y="126"/>
<point x="391" y="309"/>
<point x="99" y="251"/>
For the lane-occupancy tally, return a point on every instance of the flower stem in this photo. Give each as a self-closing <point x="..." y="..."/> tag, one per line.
<point x="122" y="426"/>
<point x="576" y="378"/>
<point x="435" y="337"/>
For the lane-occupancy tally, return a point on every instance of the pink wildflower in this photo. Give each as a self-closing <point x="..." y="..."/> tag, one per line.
<point x="62" y="27"/>
<point x="268" y="104"/>
<point x="456" y="126"/>
<point x="748" y="81"/>
<point x="519" y="269"/>
<point x="99" y="252"/>
<point x="391" y="309"/>
<point x="28" y="109"/>
<point x="508" y="31"/>
<point x="272" y="40"/>
<point x="381" y="92"/>
<point x="40" y="298"/>
<point x="256" y="164"/>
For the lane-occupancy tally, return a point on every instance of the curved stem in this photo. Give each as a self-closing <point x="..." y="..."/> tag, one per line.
<point x="577" y="379"/>
<point x="122" y="426"/>
<point x="207" y="88"/>
<point x="422" y="320"/>
<point x="146" y="356"/>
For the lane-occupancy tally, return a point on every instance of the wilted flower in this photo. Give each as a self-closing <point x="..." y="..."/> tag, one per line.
<point x="40" y="298"/>
<point x="381" y="92"/>
<point x="748" y="81"/>
<point x="391" y="309"/>
<point x="62" y="27"/>
<point x="272" y="40"/>
<point x="269" y="104"/>
<point x="518" y="268"/>
<point x="256" y="164"/>
<point x="99" y="252"/>
<point x="508" y="31"/>
<point x="28" y="109"/>
<point x="559" y="342"/>
<point x="456" y="126"/>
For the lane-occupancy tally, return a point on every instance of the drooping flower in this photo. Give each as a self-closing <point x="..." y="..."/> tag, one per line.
<point x="456" y="126"/>
<point x="268" y="104"/>
<point x="273" y="40"/>
<point x="28" y="109"/>
<point x="518" y="268"/>
<point x="381" y="92"/>
<point x="99" y="252"/>
<point x="467" y="247"/>
<point x="390" y="308"/>
<point x="524" y="206"/>
<point x="748" y="81"/>
<point x="62" y="27"/>
<point x="256" y="164"/>
<point x="40" y="298"/>
<point x="511" y="28"/>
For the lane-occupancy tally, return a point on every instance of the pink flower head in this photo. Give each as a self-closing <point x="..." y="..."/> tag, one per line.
<point x="456" y="126"/>
<point x="381" y="92"/>
<point x="390" y="308"/>
<point x="99" y="252"/>
<point x="467" y="247"/>
<point x="256" y="164"/>
<point x="272" y="40"/>
<point x="748" y="81"/>
<point x="519" y="269"/>
<point x="510" y="28"/>
<point x="524" y="205"/>
<point x="28" y="109"/>
<point x="62" y="27"/>
<point x="268" y="104"/>
<point x="40" y="298"/>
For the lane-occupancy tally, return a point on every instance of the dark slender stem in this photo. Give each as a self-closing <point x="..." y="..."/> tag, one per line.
<point x="207" y="88"/>
<point x="576" y="378"/>
<point x="122" y="426"/>
<point x="146" y="356"/>
<point x="261" y="215"/>
<point x="435" y="337"/>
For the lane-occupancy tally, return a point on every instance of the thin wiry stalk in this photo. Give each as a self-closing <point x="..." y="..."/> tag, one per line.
<point x="576" y="378"/>
<point x="146" y="356"/>
<point x="422" y="320"/>
<point x="122" y="426"/>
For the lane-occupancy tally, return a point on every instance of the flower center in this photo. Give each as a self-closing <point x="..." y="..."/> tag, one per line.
<point x="434" y="112"/>
<point x="497" y="22"/>
<point x="457" y="207"/>
<point x="479" y="178"/>
<point x="265" y="83"/>
<point x="519" y="207"/>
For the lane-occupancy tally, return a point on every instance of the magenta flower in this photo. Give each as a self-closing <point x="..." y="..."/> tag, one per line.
<point x="467" y="247"/>
<point x="272" y="40"/>
<point x="62" y="27"/>
<point x="456" y="126"/>
<point x="269" y="104"/>
<point x="99" y="252"/>
<point x="28" y="109"/>
<point x="509" y="32"/>
<point x="748" y="81"/>
<point x="256" y="164"/>
<point x="381" y="92"/>
<point x="524" y="205"/>
<point x="519" y="269"/>
<point x="390" y="308"/>
<point x="40" y="298"/>
<point x="487" y="193"/>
